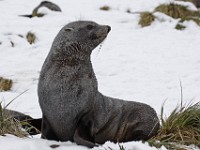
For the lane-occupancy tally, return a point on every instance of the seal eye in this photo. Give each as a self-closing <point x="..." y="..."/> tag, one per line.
<point x="90" y="27"/>
<point x="69" y="29"/>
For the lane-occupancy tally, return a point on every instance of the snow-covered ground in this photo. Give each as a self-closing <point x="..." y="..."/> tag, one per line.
<point x="134" y="63"/>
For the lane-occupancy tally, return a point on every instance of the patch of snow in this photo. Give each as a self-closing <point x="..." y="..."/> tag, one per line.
<point x="134" y="63"/>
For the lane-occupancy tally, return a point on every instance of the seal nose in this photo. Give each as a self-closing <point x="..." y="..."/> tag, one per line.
<point x="109" y="28"/>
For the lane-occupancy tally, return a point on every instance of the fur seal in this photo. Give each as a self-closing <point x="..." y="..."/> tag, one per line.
<point x="73" y="109"/>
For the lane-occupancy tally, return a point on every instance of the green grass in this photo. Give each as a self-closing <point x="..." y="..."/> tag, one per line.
<point x="182" y="127"/>
<point x="9" y="125"/>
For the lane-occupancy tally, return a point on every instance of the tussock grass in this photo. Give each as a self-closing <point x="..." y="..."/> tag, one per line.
<point x="173" y="10"/>
<point x="105" y="8"/>
<point x="182" y="127"/>
<point x="5" y="84"/>
<point x="146" y="18"/>
<point x="9" y="125"/>
<point x="176" y="11"/>
<point x="179" y="12"/>
<point x="31" y="37"/>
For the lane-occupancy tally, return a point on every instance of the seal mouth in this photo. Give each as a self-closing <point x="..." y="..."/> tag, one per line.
<point x="102" y="34"/>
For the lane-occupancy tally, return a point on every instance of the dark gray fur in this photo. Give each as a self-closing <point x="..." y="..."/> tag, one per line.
<point x="48" y="5"/>
<point x="73" y="108"/>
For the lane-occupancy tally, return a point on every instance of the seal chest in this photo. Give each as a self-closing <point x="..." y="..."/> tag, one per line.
<point x="72" y="107"/>
<point x="67" y="84"/>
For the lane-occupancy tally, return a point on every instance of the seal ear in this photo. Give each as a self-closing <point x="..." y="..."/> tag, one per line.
<point x="68" y="29"/>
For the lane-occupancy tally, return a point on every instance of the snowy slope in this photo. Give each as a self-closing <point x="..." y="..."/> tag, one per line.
<point x="134" y="63"/>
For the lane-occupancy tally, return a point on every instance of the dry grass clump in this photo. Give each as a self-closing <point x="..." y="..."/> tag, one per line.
<point x="36" y="14"/>
<point x="182" y="127"/>
<point x="179" y="12"/>
<point x="173" y="10"/>
<point x="176" y="11"/>
<point x="31" y="37"/>
<point x="5" y="84"/>
<point x="105" y="8"/>
<point x="146" y="18"/>
<point x="9" y="125"/>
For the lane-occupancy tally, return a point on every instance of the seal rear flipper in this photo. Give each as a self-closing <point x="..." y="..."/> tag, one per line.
<point x="34" y="126"/>
<point x="81" y="137"/>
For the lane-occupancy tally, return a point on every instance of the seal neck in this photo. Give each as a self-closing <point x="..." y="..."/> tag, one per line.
<point x="71" y="55"/>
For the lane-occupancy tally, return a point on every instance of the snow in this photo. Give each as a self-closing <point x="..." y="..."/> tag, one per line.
<point x="10" y="141"/>
<point x="133" y="63"/>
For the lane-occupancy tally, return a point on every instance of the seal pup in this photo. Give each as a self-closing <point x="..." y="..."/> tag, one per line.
<point x="73" y="109"/>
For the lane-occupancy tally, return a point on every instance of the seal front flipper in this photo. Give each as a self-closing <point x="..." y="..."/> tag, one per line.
<point x="36" y="126"/>
<point x="47" y="131"/>
<point x="82" y="137"/>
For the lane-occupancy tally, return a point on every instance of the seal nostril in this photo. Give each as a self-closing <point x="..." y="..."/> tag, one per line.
<point x="109" y="28"/>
